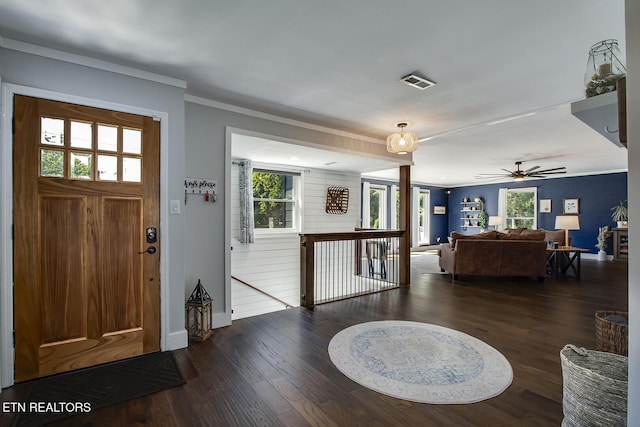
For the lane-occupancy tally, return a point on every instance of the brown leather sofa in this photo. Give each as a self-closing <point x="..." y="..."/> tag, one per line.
<point x="496" y="254"/>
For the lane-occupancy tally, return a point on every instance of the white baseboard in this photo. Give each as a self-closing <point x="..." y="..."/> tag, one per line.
<point x="595" y="256"/>
<point x="177" y="340"/>
<point x="220" y="320"/>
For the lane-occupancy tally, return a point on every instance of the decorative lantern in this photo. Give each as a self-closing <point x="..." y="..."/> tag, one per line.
<point x="605" y="67"/>
<point x="199" y="316"/>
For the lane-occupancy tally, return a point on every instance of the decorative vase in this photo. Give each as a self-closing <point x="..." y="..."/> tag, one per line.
<point x="622" y="224"/>
<point x="602" y="255"/>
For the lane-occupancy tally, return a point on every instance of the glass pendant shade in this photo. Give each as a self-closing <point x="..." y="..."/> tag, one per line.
<point x="605" y="67"/>
<point x="402" y="142"/>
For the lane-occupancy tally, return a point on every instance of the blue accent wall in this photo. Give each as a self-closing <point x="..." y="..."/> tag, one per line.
<point x="597" y="194"/>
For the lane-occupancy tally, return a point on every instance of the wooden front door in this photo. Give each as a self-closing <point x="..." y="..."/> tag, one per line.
<point x="86" y="188"/>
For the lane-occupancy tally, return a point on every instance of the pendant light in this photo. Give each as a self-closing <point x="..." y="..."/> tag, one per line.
<point x="402" y="142"/>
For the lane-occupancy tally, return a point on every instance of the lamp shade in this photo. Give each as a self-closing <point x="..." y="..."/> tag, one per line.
<point x="495" y="220"/>
<point x="402" y="142"/>
<point x="567" y="222"/>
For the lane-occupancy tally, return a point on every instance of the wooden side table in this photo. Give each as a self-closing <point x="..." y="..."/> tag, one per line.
<point x="563" y="259"/>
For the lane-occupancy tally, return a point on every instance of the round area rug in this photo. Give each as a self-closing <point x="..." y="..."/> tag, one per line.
<point x="420" y="362"/>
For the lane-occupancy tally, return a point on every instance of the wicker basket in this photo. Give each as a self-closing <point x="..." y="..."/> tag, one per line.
<point x="594" y="388"/>
<point x="610" y="336"/>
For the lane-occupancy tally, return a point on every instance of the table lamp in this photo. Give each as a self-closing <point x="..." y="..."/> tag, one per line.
<point x="566" y="223"/>
<point x="495" y="221"/>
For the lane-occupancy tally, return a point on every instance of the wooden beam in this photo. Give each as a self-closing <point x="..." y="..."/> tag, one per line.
<point x="307" y="270"/>
<point x="405" y="225"/>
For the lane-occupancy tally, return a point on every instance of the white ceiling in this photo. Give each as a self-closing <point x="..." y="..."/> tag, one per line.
<point x="339" y="63"/>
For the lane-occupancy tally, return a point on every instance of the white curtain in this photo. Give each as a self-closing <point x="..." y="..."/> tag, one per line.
<point x="246" y="202"/>
<point x="502" y="207"/>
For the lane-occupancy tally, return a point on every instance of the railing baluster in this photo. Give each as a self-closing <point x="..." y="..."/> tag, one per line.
<point x="333" y="266"/>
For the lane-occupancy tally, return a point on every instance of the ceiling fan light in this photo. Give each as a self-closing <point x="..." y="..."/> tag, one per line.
<point x="402" y="142"/>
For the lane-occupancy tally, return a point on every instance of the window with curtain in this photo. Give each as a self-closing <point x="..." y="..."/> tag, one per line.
<point x="275" y="200"/>
<point x="521" y="208"/>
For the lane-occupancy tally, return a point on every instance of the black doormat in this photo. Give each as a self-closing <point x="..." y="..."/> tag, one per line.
<point x="73" y="393"/>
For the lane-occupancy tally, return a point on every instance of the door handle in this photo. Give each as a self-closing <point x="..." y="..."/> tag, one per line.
<point x="150" y="250"/>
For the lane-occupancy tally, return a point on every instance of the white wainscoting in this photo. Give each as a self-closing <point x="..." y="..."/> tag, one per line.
<point x="272" y="263"/>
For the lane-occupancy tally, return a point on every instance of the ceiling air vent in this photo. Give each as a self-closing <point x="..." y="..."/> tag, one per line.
<point x="417" y="81"/>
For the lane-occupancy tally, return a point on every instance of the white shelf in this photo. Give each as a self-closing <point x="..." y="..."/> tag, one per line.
<point x="600" y="113"/>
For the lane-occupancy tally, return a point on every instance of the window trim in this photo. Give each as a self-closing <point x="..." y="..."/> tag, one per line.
<point x="382" y="207"/>
<point x="533" y="190"/>
<point x="296" y="199"/>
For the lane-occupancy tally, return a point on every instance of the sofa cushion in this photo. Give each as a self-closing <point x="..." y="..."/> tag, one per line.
<point x="532" y="235"/>
<point x="487" y="235"/>
<point x="514" y="230"/>
<point x="509" y="236"/>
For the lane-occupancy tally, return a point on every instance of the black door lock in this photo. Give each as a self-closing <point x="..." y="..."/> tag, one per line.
<point x="152" y="235"/>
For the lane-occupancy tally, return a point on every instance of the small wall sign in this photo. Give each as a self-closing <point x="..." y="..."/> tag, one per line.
<point x="439" y="210"/>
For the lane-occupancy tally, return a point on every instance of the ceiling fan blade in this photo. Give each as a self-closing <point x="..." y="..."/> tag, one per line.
<point x="542" y="175"/>
<point x="531" y="169"/>
<point x="489" y="175"/>
<point x="552" y="169"/>
<point x="507" y="171"/>
<point x="551" y="173"/>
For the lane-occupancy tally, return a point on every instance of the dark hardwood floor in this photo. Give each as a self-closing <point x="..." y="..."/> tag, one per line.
<point x="274" y="370"/>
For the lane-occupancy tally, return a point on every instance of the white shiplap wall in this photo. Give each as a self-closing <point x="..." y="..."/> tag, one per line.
<point x="272" y="263"/>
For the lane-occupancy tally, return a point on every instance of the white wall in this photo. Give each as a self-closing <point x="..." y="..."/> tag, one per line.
<point x="272" y="263"/>
<point x="632" y="38"/>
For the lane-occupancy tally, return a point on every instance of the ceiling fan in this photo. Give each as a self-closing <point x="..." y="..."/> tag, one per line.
<point x="519" y="175"/>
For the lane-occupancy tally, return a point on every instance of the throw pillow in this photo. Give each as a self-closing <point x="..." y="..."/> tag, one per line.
<point x="532" y="235"/>
<point x="509" y="236"/>
<point x="514" y="230"/>
<point x="556" y="236"/>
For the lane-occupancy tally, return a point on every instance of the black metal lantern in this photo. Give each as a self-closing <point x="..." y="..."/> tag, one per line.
<point x="199" y="315"/>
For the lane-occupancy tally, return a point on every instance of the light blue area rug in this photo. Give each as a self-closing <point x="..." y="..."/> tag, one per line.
<point x="420" y="362"/>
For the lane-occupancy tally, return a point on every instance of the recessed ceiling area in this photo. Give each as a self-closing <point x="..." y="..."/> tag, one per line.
<point x="550" y="138"/>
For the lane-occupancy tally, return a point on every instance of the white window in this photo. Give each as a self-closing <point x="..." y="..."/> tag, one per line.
<point x="521" y="208"/>
<point x="276" y="200"/>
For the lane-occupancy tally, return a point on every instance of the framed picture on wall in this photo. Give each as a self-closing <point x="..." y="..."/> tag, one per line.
<point x="571" y="206"/>
<point x="545" y="205"/>
<point x="439" y="210"/>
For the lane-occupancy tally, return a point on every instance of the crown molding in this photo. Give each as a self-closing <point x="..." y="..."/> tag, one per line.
<point x="274" y="118"/>
<point x="98" y="64"/>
